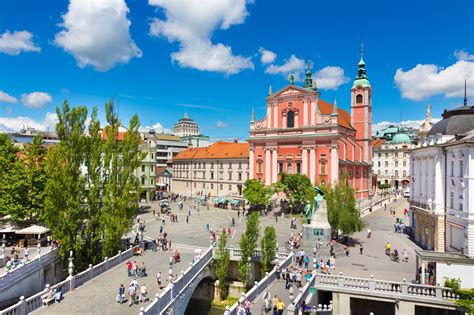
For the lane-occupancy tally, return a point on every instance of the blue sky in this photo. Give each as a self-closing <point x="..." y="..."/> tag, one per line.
<point x="216" y="59"/>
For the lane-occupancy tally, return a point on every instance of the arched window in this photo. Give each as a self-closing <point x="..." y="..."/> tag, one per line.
<point x="290" y="122"/>
<point x="359" y="98"/>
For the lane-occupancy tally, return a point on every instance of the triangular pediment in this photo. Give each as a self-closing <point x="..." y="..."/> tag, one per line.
<point x="291" y="90"/>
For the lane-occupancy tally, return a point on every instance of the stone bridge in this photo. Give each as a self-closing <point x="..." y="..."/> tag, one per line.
<point x="31" y="277"/>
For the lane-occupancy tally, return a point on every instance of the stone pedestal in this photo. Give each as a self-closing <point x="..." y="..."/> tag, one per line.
<point x="319" y="228"/>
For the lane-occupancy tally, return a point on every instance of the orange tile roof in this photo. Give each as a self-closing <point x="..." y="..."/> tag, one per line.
<point x="120" y="135"/>
<point x="377" y="143"/>
<point x="327" y="109"/>
<point x="218" y="150"/>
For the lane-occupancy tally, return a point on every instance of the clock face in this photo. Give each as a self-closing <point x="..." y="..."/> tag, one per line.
<point x="326" y="119"/>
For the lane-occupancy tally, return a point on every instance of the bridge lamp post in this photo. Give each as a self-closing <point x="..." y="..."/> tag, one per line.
<point x="71" y="265"/>
<point x="3" y="247"/>
<point x="38" y="248"/>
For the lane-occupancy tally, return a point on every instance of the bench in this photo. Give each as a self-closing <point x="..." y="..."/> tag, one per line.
<point x="47" y="299"/>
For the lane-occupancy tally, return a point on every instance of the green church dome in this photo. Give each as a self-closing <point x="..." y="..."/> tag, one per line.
<point x="400" y="138"/>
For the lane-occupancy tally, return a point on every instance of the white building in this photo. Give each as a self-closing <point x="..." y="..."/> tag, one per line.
<point x="186" y="127"/>
<point x="442" y="197"/>
<point x="167" y="147"/>
<point x="391" y="159"/>
<point x="218" y="170"/>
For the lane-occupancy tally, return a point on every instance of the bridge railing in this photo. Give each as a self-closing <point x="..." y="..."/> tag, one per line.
<point x="25" y="306"/>
<point x="264" y="283"/>
<point x="8" y="279"/>
<point x="172" y="290"/>
<point x="294" y="307"/>
<point x="403" y="288"/>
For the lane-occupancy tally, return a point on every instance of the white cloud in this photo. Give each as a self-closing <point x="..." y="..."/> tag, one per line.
<point x="426" y="80"/>
<point x="221" y="124"/>
<point x="35" y="99"/>
<point x="5" y="97"/>
<point x="16" y="123"/>
<point x="292" y="65"/>
<point x="17" y="42"/>
<point x="405" y="123"/>
<point x="267" y="56"/>
<point x="463" y="55"/>
<point x="157" y="127"/>
<point x="330" y="78"/>
<point x="192" y="25"/>
<point x="97" y="34"/>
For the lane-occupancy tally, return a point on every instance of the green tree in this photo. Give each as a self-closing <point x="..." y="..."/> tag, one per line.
<point x="65" y="210"/>
<point x="248" y="243"/>
<point x="466" y="296"/>
<point x="121" y="188"/>
<point x="221" y="261"/>
<point x="343" y="214"/>
<point x="298" y="189"/>
<point x="91" y="190"/>
<point x="257" y="194"/>
<point x="268" y="248"/>
<point x="9" y="172"/>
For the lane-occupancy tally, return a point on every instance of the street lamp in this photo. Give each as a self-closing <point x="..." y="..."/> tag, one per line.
<point x="71" y="266"/>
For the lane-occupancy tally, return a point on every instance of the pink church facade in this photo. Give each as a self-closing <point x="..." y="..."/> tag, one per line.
<point x="301" y="133"/>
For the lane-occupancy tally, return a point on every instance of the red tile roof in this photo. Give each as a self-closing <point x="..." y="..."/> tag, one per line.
<point x="327" y="109"/>
<point x="218" y="150"/>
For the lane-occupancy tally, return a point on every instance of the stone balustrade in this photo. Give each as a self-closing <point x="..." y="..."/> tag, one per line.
<point x="264" y="283"/>
<point x="25" y="306"/>
<point x="8" y="279"/>
<point x="165" y="300"/>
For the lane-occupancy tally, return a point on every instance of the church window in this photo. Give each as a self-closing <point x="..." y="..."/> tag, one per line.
<point x="289" y="168"/>
<point x="259" y="167"/>
<point x="323" y="169"/>
<point x="298" y="168"/>
<point x="280" y="167"/>
<point x="359" y="98"/>
<point x="290" y="122"/>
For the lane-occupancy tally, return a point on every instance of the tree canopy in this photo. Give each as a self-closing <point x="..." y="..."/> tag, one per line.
<point x="221" y="261"/>
<point x="268" y="248"/>
<point x="257" y="194"/>
<point x="91" y="191"/>
<point x="248" y="243"/>
<point x="297" y="188"/>
<point x="343" y="214"/>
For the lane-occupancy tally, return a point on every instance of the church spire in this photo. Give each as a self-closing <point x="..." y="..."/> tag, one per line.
<point x="270" y="92"/>
<point x="361" y="78"/>
<point x="334" y="108"/>
<point x="308" y="81"/>
<point x="465" y="92"/>
<point x="252" y="119"/>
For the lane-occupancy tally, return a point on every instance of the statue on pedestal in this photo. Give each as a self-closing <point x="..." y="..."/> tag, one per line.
<point x="310" y="210"/>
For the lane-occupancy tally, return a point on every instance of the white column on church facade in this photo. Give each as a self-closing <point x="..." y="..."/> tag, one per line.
<point x="296" y="119"/>
<point x="269" y="115"/>
<point x="274" y="166"/>
<point x="305" y="113"/>
<point x="312" y="113"/>
<point x="335" y="164"/>
<point x="251" y="162"/>
<point x="284" y="122"/>
<point x="312" y="164"/>
<point x="304" y="158"/>
<point x="267" y="167"/>
<point x="275" y="115"/>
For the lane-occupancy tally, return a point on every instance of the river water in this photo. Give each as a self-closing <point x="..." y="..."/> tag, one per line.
<point x="199" y="308"/>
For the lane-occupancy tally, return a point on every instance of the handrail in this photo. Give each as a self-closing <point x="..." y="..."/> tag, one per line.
<point x="35" y="301"/>
<point x="259" y="287"/>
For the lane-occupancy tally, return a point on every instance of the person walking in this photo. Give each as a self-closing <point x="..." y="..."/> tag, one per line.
<point x="405" y="255"/>
<point x="158" y="280"/>
<point x="131" y="294"/>
<point x="121" y="294"/>
<point x="26" y="253"/>
<point x="280" y="307"/>
<point x="361" y="248"/>
<point x="275" y="305"/>
<point x="143" y="293"/>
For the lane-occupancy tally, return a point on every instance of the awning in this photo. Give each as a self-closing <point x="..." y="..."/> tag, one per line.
<point x="9" y="229"/>
<point x="34" y="229"/>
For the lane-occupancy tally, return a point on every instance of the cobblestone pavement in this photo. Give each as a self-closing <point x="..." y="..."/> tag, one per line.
<point x="373" y="261"/>
<point x="97" y="295"/>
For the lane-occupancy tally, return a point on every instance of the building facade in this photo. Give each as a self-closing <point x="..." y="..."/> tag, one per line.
<point x="218" y="170"/>
<point x="442" y="203"/>
<point x="391" y="159"/>
<point x="186" y="127"/>
<point x="146" y="172"/>
<point x="301" y="133"/>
